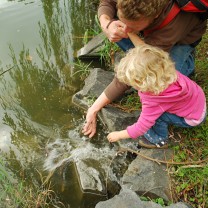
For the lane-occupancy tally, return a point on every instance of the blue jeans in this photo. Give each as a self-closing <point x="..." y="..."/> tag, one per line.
<point x="159" y="132"/>
<point x="182" y="55"/>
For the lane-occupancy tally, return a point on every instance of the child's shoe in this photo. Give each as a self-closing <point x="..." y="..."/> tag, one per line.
<point x="143" y="142"/>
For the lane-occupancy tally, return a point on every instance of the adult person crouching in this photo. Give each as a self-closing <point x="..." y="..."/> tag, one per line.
<point x="179" y="38"/>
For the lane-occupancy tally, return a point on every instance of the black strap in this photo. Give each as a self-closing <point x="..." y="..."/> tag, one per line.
<point x="199" y="4"/>
<point x="182" y="3"/>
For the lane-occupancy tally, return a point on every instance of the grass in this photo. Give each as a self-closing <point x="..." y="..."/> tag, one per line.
<point x="16" y="193"/>
<point x="82" y="69"/>
<point x="191" y="182"/>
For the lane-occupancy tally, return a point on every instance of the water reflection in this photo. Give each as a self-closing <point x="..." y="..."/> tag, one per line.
<point x="39" y="126"/>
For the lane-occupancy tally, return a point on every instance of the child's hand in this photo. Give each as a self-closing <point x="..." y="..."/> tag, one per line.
<point x="117" y="135"/>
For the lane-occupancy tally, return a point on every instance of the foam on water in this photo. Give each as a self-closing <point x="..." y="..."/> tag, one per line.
<point x="75" y="148"/>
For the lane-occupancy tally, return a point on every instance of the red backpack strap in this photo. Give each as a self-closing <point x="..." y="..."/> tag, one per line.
<point x="170" y="16"/>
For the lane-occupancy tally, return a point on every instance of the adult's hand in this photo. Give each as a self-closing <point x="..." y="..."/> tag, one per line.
<point x="115" y="30"/>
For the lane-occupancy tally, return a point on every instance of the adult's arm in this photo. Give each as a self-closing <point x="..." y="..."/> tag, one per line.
<point x="113" y="28"/>
<point x="116" y="88"/>
<point x="107" y="7"/>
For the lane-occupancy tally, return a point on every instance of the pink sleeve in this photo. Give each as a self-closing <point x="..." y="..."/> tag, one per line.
<point x="145" y="121"/>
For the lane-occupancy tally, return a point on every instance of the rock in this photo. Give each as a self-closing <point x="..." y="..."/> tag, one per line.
<point x="95" y="83"/>
<point x="116" y="119"/>
<point x="91" y="49"/>
<point x="129" y="199"/>
<point x="90" y="177"/>
<point x="148" y="177"/>
<point x="125" y="199"/>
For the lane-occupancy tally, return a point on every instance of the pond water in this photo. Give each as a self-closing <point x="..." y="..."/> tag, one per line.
<point x="39" y="129"/>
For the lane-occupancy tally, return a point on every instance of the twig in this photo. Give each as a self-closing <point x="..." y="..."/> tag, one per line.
<point x="151" y="190"/>
<point x="6" y="70"/>
<point x="162" y="161"/>
<point x="192" y="166"/>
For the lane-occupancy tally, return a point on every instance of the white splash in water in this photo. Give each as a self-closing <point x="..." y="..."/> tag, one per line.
<point x="74" y="149"/>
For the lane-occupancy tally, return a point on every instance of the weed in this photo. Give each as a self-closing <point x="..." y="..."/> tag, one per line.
<point x="15" y="193"/>
<point x="91" y="100"/>
<point x="128" y="103"/>
<point x="82" y="69"/>
<point x="156" y="200"/>
<point x="107" y="53"/>
<point x="190" y="182"/>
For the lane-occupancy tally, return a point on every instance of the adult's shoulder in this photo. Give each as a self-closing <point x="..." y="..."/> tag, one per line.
<point x="185" y="28"/>
<point x="107" y="7"/>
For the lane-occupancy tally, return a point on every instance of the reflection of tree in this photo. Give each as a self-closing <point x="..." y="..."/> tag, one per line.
<point x="56" y="38"/>
<point x="34" y="91"/>
<point x="65" y="20"/>
<point x="38" y="91"/>
<point x="35" y="88"/>
<point x="32" y="103"/>
<point x="82" y="17"/>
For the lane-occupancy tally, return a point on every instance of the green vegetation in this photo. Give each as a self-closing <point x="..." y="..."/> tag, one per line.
<point x="190" y="182"/>
<point x="107" y="53"/>
<point x="107" y="50"/>
<point x="82" y="69"/>
<point x="16" y="193"/>
<point x="157" y="200"/>
<point x="130" y="102"/>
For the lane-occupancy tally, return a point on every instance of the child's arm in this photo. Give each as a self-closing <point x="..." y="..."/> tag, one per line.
<point x="135" y="39"/>
<point x="117" y="135"/>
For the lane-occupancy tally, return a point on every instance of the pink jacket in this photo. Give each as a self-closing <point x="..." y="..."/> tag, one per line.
<point x="184" y="98"/>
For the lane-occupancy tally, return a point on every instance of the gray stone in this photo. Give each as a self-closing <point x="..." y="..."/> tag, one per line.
<point x="126" y="199"/>
<point x="116" y="119"/>
<point x="92" y="47"/>
<point x="179" y="205"/>
<point x="148" y="177"/>
<point x="90" y="178"/>
<point x="95" y="83"/>
<point x="129" y="199"/>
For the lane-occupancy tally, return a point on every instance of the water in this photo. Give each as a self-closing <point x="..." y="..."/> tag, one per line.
<point x="39" y="129"/>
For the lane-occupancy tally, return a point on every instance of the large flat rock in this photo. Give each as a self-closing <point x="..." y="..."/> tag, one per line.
<point x="92" y="48"/>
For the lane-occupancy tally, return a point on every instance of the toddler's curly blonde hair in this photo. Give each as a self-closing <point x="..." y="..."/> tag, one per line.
<point x="147" y="69"/>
